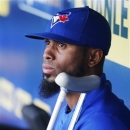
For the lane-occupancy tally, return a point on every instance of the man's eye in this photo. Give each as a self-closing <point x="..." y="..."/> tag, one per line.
<point x="47" y="43"/>
<point x="61" y="45"/>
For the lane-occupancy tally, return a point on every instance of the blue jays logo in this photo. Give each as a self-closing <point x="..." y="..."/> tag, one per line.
<point x="60" y="18"/>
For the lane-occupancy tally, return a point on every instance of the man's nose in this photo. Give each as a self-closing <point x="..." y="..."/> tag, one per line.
<point x="48" y="54"/>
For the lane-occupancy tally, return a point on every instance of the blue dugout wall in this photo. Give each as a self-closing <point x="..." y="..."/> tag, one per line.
<point x="21" y="58"/>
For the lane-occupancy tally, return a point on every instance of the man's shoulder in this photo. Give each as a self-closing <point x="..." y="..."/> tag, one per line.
<point x="103" y="121"/>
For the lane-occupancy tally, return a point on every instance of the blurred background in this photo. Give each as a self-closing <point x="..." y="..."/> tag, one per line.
<point x="21" y="58"/>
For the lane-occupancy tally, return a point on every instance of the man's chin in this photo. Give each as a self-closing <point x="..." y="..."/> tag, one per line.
<point x="48" y="88"/>
<point x="49" y="77"/>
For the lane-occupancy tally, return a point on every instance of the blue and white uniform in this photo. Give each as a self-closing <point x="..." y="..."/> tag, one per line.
<point x="102" y="110"/>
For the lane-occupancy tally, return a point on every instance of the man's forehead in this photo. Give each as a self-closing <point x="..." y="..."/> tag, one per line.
<point x="47" y="39"/>
<point x="55" y="41"/>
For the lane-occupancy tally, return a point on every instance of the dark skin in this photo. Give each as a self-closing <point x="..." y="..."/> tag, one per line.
<point x="76" y="60"/>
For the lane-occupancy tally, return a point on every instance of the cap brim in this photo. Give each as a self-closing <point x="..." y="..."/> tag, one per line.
<point x="35" y="36"/>
<point x="52" y="36"/>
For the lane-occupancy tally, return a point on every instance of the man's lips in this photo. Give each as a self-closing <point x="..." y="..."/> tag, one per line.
<point x="47" y="69"/>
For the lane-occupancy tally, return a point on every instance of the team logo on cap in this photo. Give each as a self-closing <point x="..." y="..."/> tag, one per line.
<point x="60" y="18"/>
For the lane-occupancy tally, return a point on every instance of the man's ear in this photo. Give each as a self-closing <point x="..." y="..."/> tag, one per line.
<point x="95" y="57"/>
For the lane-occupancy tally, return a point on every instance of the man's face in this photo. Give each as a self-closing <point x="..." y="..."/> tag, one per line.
<point x="61" y="57"/>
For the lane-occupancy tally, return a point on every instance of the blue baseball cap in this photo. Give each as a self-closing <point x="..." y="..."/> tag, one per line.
<point x="78" y="26"/>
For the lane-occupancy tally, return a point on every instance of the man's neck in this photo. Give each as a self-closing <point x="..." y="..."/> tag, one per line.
<point x="72" y="99"/>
